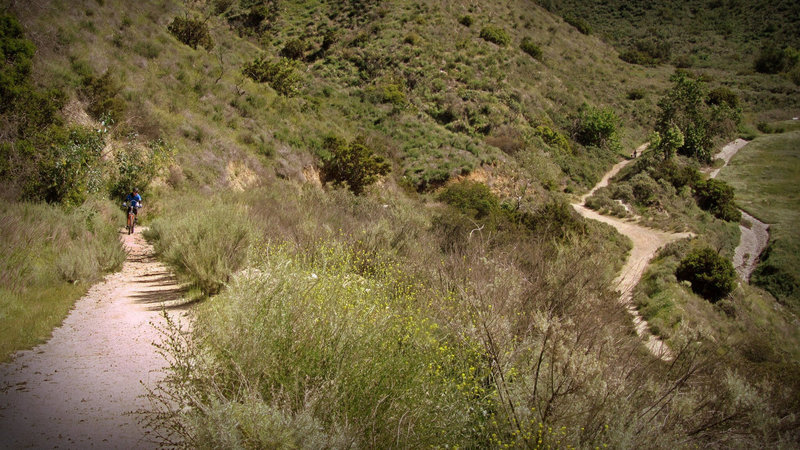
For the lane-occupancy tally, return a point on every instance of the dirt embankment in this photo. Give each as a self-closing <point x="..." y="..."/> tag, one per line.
<point x="80" y="389"/>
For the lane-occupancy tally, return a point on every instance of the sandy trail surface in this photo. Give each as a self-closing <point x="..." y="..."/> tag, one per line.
<point x="646" y="242"/>
<point x="754" y="233"/>
<point x="80" y="389"/>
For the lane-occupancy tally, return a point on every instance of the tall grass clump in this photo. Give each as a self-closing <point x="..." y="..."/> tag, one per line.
<point x="49" y="255"/>
<point x="303" y="351"/>
<point x="206" y="241"/>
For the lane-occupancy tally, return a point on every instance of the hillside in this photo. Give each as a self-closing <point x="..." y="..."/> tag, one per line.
<point x="732" y="41"/>
<point x="370" y="204"/>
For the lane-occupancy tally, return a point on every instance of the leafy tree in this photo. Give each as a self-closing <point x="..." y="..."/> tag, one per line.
<point x="712" y="276"/>
<point x="192" y="32"/>
<point x="698" y="116"/>
<point x="597" y="126"/>
<point x="668" y="144"/>
<point x="68" y="168"/>
<point x="352" y="164"/>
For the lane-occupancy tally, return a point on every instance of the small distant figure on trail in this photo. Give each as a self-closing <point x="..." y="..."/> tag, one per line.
<point x="133" y="202"/>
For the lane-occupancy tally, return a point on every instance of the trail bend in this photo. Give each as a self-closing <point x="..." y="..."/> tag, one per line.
<point x="82" y="387"/>
<point x="646" y="242"/>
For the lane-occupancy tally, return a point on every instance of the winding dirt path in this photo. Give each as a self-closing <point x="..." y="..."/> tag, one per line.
<point x="80" y="389"/>
<point x="754" y="233"/>
<point x="646" y="242"/>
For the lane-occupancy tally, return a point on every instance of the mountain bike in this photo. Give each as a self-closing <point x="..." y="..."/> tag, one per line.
<point x="131" y="224"/>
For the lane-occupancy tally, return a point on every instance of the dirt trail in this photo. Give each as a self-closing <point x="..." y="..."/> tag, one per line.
<point x="755" y="236"/>
<point x="80" y="388"/>
<point x="646" y="242"/>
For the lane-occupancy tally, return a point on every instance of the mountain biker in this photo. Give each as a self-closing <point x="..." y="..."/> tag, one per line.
<point x="133" y="201"/>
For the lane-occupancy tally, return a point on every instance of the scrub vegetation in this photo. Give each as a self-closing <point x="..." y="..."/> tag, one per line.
<point x="373" y="200"/>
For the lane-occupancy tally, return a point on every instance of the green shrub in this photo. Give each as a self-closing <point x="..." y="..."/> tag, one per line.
<point x="466" y="20"/>
<point x="352" y="164"/>
<point x="294" y="49"/>
<point x="711" y="275"/>
<point x="553" y="138"/>
<point x="68" y="169"/>
<point x="103" y="98"/>
<point x="635" y="94"/>
<point x="472" y="198"/>
<point x="192" y="32"/>
<point x="598" y="127"/>
<point x="49" y="255"/>
<point x="495" y="35"/>
<point x="723" y="96"/>
<point x="529" y="47"/>
<point x="581" y="25"/>
<point x="17" y="60"/>
<point x="771" y="59"/>
<point x="645" y="189"/>
<point x="717" y="197"/>
<point x="207" y="243"/>
<point x="282" y="74"/>
<point x="647" y="52"/>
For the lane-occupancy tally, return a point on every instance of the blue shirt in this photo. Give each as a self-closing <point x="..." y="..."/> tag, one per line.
<point x="134" y="200"/>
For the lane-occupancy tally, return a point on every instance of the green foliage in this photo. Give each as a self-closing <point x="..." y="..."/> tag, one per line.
<point x="717" y="197"/>
<point x="466" y="20"/>
<point x="529" y="47"/>
<point x="192" y="32"/>
<point x="635" y="94"/>
<point x="308" y="351"/>
<point x="352" y="164"/>
<point x="17" y="54"/>
<point x="711" y="275"/>
<point x="579" y="24"/>
<point x="495" y="35"/>
<point x="103" y="97"/>
<point x="67" y="170"/>
<point x="723" y="96"/>
<point x="553" y="138"/>
<point x="773" y="276"/>
<point x="699" y="117"/>
<point x="472" y="198"/>
<point x="281" y="74"/>
<point x="771" y="59"/>
<point x="598" y="127"/>
<point x="137" y="166"/>
<point x="647" y="52"/>
<point x="295" y="49"/>
<point x="206" y="243"/>
<point x="668" y="144"/>
<point x="49" y="255"/>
